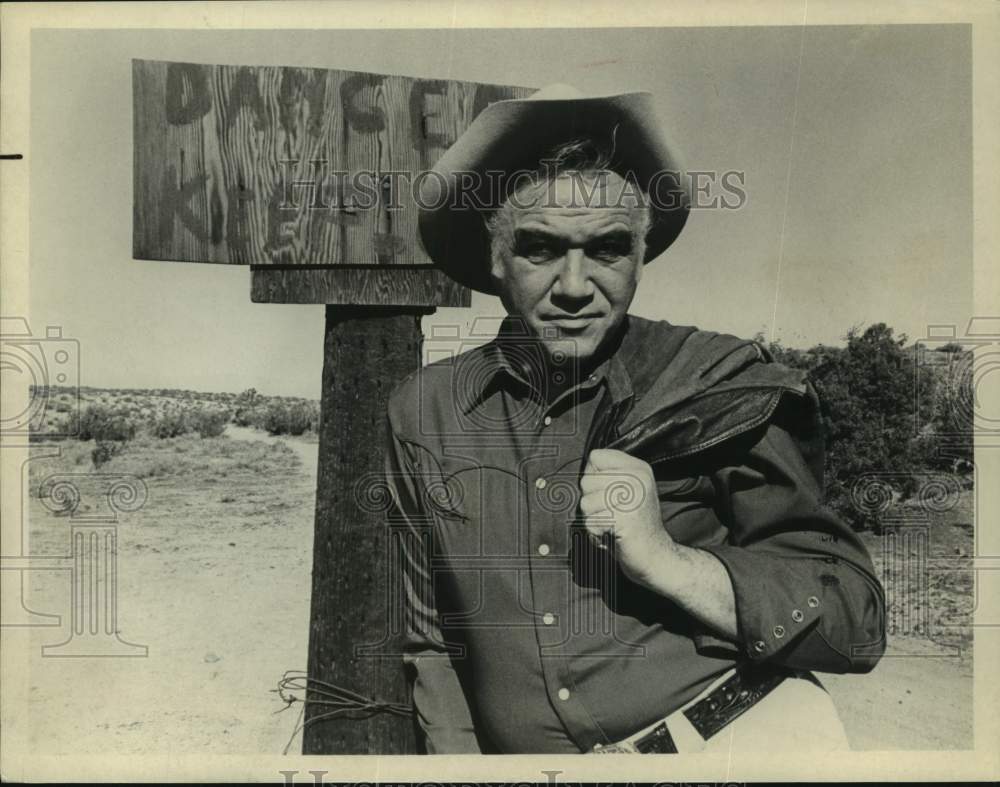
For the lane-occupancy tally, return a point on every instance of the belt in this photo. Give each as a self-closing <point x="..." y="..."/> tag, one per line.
<point x="728" y="698"/>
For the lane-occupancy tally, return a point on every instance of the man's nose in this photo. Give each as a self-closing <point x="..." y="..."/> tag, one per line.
<point x="573" y="282"/>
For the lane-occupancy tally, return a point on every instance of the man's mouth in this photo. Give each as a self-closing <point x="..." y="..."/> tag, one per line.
<point x="572" y="322"/>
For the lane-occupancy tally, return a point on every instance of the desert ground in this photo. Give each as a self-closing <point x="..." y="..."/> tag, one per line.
<point x="213" y="576"/>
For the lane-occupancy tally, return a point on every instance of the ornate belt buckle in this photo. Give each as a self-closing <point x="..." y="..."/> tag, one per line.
<point x="624" y="747"/>
<point x="657" y="741"/>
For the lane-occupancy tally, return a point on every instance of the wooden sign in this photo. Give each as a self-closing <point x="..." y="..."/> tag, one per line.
<point x="289" y="167"/>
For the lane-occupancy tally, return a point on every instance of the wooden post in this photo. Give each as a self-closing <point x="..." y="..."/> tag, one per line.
<point x="354" y="590"/>
<point x="233" y="164"/>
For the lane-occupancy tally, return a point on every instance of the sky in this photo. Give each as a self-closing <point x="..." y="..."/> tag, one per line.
<point x="855" y="141"/>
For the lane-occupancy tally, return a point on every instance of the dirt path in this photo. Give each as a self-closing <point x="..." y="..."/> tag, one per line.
<point x="919" y="697"/>
<point x="307" y="450"/>
<point x="221" y="602"/>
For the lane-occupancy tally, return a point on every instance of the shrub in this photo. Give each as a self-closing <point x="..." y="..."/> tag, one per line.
<point x="209" y="423"/>
<point x="249" y="409"/>
<point x="248" y="416"/>
<point x="35" y="436"/>
<point x="953" y="408"/>
<point x="171" y="424"/>
<point x="883" y="413"/>
<point x="249" y="399"/>
<point x="314" y="412"/>
<point x="101" y="423"/>
<point x="292" y="419"/>
<point x="105" y="450"/>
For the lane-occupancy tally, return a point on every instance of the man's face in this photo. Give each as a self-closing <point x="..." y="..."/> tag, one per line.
<point x="570" y="270"/>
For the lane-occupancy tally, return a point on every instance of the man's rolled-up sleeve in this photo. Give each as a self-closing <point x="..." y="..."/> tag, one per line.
<point x="807" y="596"/>
<point x="442" y="709"/>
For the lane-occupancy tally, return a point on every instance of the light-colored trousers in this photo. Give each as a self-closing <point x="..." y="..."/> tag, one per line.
<point x="798" y="715"/>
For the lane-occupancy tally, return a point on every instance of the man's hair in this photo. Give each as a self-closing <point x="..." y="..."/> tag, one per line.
<point x="586" y="157"/>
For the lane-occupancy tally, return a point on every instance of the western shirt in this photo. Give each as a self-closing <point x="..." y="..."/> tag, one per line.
<point x="522" y="635"/>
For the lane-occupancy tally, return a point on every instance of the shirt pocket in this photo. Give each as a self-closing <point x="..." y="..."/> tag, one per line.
<point x="473" y="509"/>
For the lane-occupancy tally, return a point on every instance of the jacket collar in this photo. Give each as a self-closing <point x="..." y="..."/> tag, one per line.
<point x="676" y="390"/>
<point x="515" y="355"/>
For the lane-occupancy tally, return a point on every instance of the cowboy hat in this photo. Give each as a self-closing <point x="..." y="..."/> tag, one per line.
<point x="513" y="136"/>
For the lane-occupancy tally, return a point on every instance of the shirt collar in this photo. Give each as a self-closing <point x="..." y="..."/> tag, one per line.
<point x="515" y="355"/>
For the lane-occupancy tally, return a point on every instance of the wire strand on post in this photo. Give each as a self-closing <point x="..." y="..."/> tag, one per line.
<point x="296" y="686"/>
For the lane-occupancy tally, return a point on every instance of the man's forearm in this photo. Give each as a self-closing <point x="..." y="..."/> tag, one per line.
<point x="698" y="583"/>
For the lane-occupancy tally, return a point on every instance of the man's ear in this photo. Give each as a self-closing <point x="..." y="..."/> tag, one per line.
<point x="497" y="229"/>
<point x="641" y="230"/>
<point x="496" y="266"/>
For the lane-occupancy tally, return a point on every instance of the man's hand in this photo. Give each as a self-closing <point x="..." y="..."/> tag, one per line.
<point x="618" y="496"/>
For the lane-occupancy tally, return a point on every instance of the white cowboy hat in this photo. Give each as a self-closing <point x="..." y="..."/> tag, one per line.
<point x="513" y="135"/>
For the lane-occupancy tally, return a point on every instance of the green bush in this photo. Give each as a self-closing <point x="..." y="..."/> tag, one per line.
<point x="292" y="419"/>
<point x="249" y="399"/>
<point x="953" y="407"/>
<point x="209" y="423"/>
<point x="248" y="416"/>
<point x="884" y="414"/>
<point x="249" y="409"/>
<point x="101" y="423"/>
<point x="171" y="424"/>
<point x="105" y="450"/>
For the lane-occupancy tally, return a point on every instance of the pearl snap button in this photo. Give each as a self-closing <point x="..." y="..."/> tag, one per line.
<point x="540" y="483"/>
<point x="797" y="615"/>
<point x="548" y="618"/>
<point x="563" y="694"/>
<point x="759" y="646"/>
<point x="547" y="420"/>
<point x="543" y="549"/>
<point x="812" y="601"/>
<point x="779" y="632"/>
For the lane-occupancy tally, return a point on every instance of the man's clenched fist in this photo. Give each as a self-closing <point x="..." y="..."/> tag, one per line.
<point x="618" y="496"/>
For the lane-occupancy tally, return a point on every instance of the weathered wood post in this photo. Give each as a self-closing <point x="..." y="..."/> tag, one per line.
<point x="297" y="173"/>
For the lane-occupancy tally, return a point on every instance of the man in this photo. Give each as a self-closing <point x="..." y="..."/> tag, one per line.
<point x="613" y="537"/>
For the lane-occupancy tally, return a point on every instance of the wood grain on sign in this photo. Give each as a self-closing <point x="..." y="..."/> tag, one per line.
<point x="287" y="166"/>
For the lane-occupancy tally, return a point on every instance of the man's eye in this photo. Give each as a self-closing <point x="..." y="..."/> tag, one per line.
<point x="610" y="251"/>
<point x="536" y="252"/>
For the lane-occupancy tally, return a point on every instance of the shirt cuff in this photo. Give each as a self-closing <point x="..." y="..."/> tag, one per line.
<point x="777" y="601"/>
